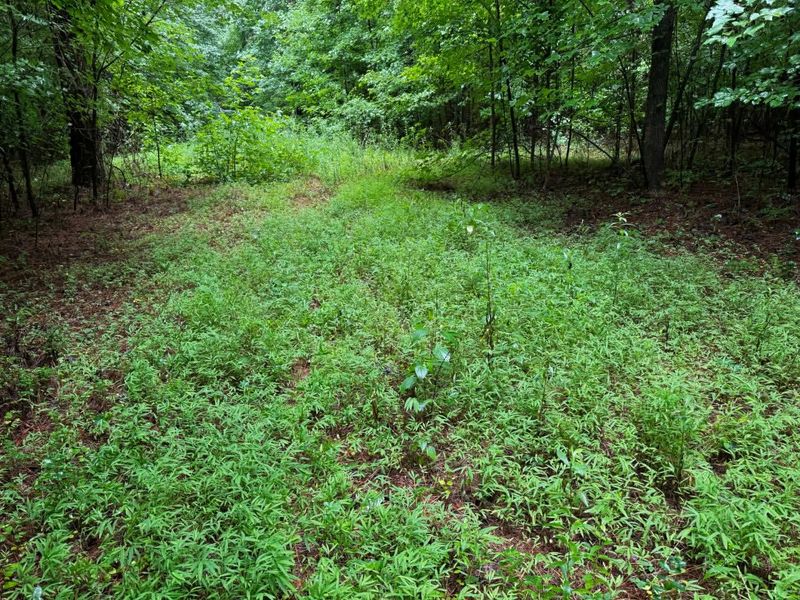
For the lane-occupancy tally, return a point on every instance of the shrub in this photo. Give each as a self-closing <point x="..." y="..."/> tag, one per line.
<point x="246" y="144"/>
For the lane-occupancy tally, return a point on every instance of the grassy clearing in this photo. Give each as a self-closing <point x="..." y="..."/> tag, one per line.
<point x="343" y="387"/>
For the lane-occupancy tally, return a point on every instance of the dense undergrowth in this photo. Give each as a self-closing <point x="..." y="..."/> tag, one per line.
<point x="342" y="386"/>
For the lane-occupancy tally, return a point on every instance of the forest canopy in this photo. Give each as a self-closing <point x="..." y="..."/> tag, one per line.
<point x="674" y="85"/>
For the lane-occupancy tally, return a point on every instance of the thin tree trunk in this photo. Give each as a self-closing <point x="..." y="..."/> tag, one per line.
<point x="657" y="88"/>
<point x="515" y="165"/>
<point x="158" y="147"/>
<point x="548" y="151"/>
<point x="95" y="167"/>
<point x="23" y="160"/>
<point x="571" y="94"/>
<point x="569" y="145"/>
<point x="12" y="189"/>
<point x="514" y="131"/>
<point x="492" y="107"/>
<point x="22" y="138"/>
<point x="676" y="106"/>
<point x="704" y="114"/>
<point x="95" y="74"/>
<point x="794" y="132"/>
<point x="630" y="94"/>
<point x="617" y="134"/>
<point x="734" y="126"/>
<point x="633" y="125"/>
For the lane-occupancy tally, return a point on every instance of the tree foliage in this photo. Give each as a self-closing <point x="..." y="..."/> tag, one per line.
<point x="529" y="85"/>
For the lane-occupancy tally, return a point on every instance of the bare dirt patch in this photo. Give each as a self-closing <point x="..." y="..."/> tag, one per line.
<point x="758" y="225"/>
<point x="716" y="217"/>
<point x="90" y="235"/>
<point x="300" y="370"/>
<point x="312" y="193"/>
<point x="306" y="555"/>
<point x="746" y="217"/>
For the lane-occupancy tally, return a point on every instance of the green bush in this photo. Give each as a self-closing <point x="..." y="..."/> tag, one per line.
<point x="246" y="144"/>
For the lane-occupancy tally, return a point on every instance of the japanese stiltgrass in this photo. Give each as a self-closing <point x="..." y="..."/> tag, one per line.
<point x="176" y="449"/>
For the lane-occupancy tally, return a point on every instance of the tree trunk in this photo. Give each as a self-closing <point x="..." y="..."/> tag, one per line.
<point x="95" y="172"/>
<point x="492" y="108"/>
<point x="79" y="90"/>
<point x="23" y="161"/>
<point x="158" y="148"/>
<point x="22" y="138"/>
<point x="794" y="132"/>
<point x="572" y="111"/>
<point x="82" y="148"/>
<point x="695" y="52"/>
<point x="515" y="165"/>
<point x="515" y="172"/>
<point x="630" y="95"/>
<point x="12" y="189"/>
<point x="733" y="127"/>
<point x="657" y="88"/>
<point x="705" y="113"/>
<point x="617" y="135"/>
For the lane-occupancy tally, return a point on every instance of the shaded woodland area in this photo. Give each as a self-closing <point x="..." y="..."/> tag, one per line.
<point x="666" y="93"/>
<point x="373" y="299"/>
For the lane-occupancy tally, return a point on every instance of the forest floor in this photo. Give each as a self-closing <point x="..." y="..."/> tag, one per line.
<point x="354" y="388"/>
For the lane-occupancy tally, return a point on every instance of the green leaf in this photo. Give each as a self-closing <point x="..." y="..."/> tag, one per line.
<point x="419" y="333"/>
<point x="421" y="371"/>
<point x="408" y="383"/>
<point x="429" y="450"/>
<point x="441" y="353"/>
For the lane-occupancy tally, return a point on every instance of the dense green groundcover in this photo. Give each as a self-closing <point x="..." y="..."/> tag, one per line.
<point x="381" y="392"/>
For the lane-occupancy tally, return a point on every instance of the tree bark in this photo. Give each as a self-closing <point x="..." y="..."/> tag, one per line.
<point x="22" y="138"/>
<point x="492" y="107"/>
<point x="515" y="165"/>
<point x="79" y="90"/>
<point x="617" y="135"/>
<point x="572" y="111"/>
<point x="95" y="172"/>
<point x="82" y="148"/>
<point x="704" y="116"/>
<point x="794" y="132"/>
<point x="657" y="89"/>
<point x="12" y="189"/>
<point x="633" y="125"/>
<point x="683" y="82"/>
<point x="734" y="120"/>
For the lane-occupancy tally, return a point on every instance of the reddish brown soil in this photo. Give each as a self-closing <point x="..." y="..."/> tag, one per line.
<point x="312" y="193"/>
<point x="722" y="218"/>
<point x="90" y="235"/>
<point x="744" y="217"/>
<point x="33" y="261"/>
<point x="300" y="370"/>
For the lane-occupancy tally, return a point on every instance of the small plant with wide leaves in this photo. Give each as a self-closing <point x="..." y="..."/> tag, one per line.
<point x="425" y="373"/>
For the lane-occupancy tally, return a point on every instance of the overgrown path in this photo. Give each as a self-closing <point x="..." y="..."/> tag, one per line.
<point x="372" y="391"/>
